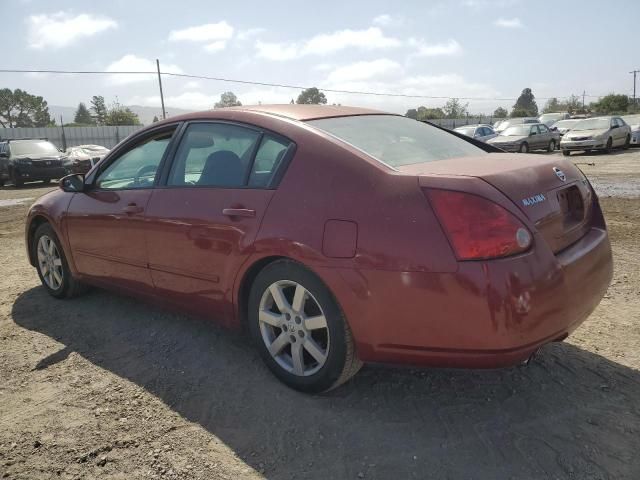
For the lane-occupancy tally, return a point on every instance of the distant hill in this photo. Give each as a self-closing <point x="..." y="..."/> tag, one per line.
<point x="145" y="114"/>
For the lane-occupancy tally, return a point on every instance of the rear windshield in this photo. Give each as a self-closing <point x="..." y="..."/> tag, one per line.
<point x="396" y="140"/>
<point x="33" y="147"/>
<point x="517" y="131"/>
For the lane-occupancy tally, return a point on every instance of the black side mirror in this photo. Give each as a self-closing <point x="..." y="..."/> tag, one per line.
<point x="614" y="126"/>
<point x="4" y="155"/>
<point x="72" y="183"/>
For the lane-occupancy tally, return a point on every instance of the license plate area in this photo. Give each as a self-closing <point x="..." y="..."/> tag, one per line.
<point x="571" y="206"/>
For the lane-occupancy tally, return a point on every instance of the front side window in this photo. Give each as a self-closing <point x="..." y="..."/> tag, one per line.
<point x="543" y="129"/>
<point x="396" y="140"/>
<point x="213" y="155"/>
<point x="137" y="167"/>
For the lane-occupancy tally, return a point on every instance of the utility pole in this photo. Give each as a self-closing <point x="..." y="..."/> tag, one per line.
<point x="164" y="113"/>
<point x="634" y="84"/>
<point x="64" y="137"/>
<point x="584" y="94"/>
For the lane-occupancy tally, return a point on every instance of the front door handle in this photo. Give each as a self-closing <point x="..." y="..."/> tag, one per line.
<point x="239" y="212"/>
<point x="132" y="208"/>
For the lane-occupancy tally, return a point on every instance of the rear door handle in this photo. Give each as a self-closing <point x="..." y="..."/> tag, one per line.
<point x="239" y="212"/>
<point x="132" y="208"/>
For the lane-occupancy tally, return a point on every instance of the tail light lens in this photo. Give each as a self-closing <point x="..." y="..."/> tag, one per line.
<point x="478" y="228"/>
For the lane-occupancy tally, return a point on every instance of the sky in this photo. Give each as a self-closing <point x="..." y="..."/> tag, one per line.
<point x="485" y="50"/>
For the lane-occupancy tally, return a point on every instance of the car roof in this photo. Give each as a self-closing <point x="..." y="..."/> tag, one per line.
<point x="290" y="111"/>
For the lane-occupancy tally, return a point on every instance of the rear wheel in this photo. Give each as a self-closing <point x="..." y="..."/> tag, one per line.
<point x="524" y="147"/>
<point x="566" y="153"/>
<point x="627" y="142"/>
<point x="299" y="329"/>
<point x="552" y="146"/>
<point x="52" y="266"/>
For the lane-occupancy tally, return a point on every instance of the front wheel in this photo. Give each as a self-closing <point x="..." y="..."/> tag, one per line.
<point x="627" y="142"/>
<point x="609" y="146"/>
<point x="15" y="179"/>
<point x="566" y="153"/>
<point x="299" y="329"/>
<point x="52" y="266"/>
<point x="524" y="147"/>
<point x="552" y="146"/>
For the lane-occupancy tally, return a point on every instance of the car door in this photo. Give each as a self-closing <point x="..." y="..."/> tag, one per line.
<point x="620" y="131"/>
<point x="534" y="138"/>
<point x="207" y="212"/>
<point x="105" y="223"/>
<point x="545" y="135"/>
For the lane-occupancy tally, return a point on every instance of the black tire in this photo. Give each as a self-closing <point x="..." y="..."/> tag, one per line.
<point x="69" y="287"/>
<point x="609" y="147"/>
<point x="566" y="153"/>
<point x="627" y="143"/>
<point x="552" y="146"/>
<point x="524" y="147"/>
<point x="15" y="180"/>
<point x="1" y="182"/>
<point x="341" y="361"/>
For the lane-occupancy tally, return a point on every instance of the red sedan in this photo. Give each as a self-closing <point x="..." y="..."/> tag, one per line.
<point x="336" y="236"/>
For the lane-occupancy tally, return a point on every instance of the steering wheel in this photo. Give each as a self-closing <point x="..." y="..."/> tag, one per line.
<point x="144" y="171"/>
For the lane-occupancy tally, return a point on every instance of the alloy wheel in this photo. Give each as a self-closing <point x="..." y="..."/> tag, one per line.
<point x="50" y="262"/>
<point x="294" y="328"/>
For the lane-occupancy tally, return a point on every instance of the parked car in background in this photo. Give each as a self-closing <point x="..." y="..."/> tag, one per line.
<point x="549" y="119"/>
<point x="634" y="123"/>
<point x="82" y="158"/>
<point x="597" y="133"/>
<point x="526" y="137"/>
<point x="479" y="132"/>
<point x="563" y="126"/>
<point x="264" y="217"/>
<point x="514" y="121"/>
<point x="30" y="160"/>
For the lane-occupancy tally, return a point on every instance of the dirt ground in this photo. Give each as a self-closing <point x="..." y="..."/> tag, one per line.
<point x="107" y="387"/>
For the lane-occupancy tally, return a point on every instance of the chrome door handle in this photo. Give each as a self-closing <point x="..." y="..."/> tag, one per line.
<point x="132" y="208"/>
<point x="239" y="212"/>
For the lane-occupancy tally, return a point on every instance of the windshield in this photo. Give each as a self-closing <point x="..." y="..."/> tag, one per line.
<point x="468" y="131"/>
<point x="566" y="123"/>
<point x="37" y="147"/>
<point x="517" y="130"/>
<point x="593" y="124"/>
<point x="396" y="140"/>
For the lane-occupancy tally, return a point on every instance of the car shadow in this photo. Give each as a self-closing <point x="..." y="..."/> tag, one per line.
<point x="568" y="414"/>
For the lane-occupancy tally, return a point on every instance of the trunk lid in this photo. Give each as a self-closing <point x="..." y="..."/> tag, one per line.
<point x="550" y="191"/>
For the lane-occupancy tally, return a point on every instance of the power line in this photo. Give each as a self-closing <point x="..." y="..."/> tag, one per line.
<point x="267" y="84"/>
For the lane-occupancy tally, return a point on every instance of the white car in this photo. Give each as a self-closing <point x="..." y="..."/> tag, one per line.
<point x="597" y="133"/>
<point x="634" y="122"/>
<point x="479" y="132"/>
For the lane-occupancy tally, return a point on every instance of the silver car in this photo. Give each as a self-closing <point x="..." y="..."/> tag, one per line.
<point x="524" y="138"/>
<point x="634" y="123"/>
<point x="479" y="132"/>
<point x="549" y="119"/>
<point x="514" y="121"/>
<point x="597" y="133"/>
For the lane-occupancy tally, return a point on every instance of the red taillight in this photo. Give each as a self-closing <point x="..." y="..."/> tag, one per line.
<point x="478" y="228"/>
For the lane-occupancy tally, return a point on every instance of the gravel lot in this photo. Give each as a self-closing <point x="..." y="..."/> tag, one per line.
<point x="106" y="387"/>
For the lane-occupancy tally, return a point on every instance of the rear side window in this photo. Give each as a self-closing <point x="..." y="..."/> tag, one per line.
<point x="213" y="155"/>
<point x="269" y="157"/>
<point x="396" y="140"/>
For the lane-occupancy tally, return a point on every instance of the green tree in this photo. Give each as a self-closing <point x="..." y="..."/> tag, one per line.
<point x="553" y="106"/>
<point x="425" y="113"/>
<point x="412" y="113"/>
<point x="611" y="104"/>
<point x="312" y="96"/>
<point x="500" y="113"/>
<point x="155" y="119"/>
<point x="121" y="115"/>
<point x="228" y="99"/>
<point x="455" y="109"/>
<point x="99" y="109"/>
<point x="83" y="116"/>
<point x="21" y="109"/>
<point x="526" y="105"/>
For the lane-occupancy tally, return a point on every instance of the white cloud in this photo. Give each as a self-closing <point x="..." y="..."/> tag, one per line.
<point x="192" y="85"/>
<point x="188" y="100"/>
<point x="386" y="20"/>
<point x="249" y="33"/>
<point x="370" y="39"/>
<point x="213" y="35"/>
<point x="132" y="63"/>
<point x="61" y="29"/>
<point x="364" y="71"/>
<point x="508" y="23"/>
<point x="423" y="49"/>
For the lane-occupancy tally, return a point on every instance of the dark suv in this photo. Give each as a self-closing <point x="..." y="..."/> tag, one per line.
<point x="30" y="160"/>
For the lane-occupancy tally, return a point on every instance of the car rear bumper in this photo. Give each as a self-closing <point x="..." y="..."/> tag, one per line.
<point x="635" y="138"/>
<point x="485" y="315"/>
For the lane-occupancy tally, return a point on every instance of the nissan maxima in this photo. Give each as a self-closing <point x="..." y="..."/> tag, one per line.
<point x="334" y="236"/>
